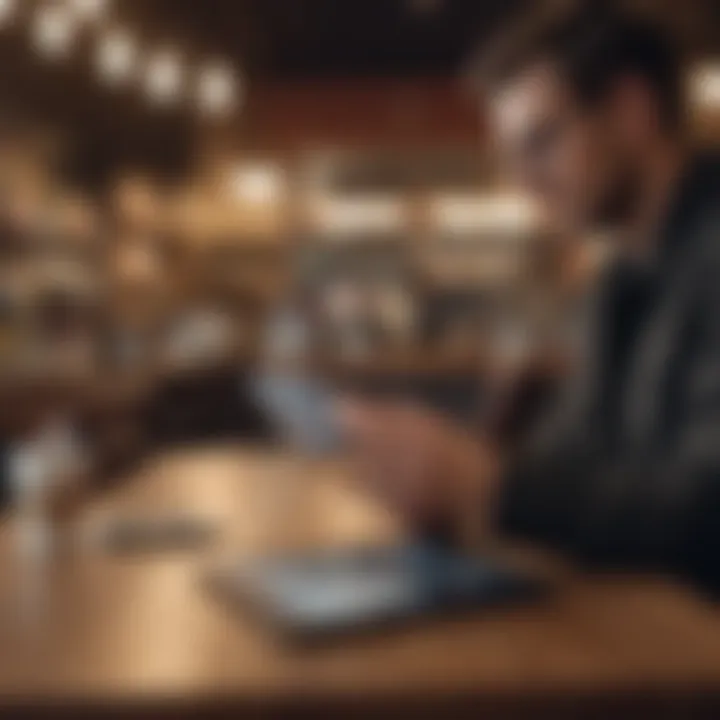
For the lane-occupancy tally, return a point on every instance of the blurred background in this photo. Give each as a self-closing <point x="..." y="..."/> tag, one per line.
<point x="212" y="212"/>
<point x="189" y="188"/>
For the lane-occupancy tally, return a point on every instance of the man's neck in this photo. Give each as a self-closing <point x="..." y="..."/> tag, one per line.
<point x="662" y="173"/>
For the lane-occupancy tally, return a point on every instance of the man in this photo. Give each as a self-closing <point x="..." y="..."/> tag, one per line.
<point x="590" y="117"/>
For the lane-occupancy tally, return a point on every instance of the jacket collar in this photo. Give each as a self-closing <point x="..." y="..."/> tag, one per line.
<point x="698" y="191"/>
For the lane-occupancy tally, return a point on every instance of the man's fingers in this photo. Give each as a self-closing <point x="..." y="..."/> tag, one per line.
<point x="399" y="453"/>
<point x="366" y="424"/>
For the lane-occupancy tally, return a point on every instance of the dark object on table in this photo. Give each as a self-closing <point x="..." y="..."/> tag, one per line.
<point x="156" y="534"/>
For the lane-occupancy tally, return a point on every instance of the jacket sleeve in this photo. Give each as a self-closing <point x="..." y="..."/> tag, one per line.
<point x="660" y="512"/>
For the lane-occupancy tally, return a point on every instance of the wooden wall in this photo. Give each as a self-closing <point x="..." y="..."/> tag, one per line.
<point x="285" y="117"/>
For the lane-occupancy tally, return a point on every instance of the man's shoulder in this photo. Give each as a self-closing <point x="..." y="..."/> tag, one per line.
<point x="704" y="205"/>
<point x="695" y="229"/>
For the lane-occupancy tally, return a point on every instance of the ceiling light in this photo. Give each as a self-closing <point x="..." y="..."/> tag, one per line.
<point x="705" y="85"/>
<point x="8" y="8"/>
<point x="116" y="55"/>
<point x="53" y="31"/>
<point x="164" y="77"/>
<point x="89" y="9"/>
<point x="217" y="91"/>
<point x="375" y="214"/>
<point x="259" y="184"/>
<point x="493" y="213"/>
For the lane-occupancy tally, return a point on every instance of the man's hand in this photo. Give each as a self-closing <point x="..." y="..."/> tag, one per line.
<point x="431" y="472"/>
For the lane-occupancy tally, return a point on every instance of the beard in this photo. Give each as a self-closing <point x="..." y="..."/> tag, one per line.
<point x="619" y="200"/>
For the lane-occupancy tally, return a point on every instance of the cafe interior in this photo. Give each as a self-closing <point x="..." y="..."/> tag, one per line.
<point x="203" y="204"/>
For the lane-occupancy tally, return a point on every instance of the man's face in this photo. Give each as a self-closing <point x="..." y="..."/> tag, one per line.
<point x="575" y="162"/>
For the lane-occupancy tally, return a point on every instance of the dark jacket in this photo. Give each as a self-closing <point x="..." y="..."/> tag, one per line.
<point x="629" y="474"/>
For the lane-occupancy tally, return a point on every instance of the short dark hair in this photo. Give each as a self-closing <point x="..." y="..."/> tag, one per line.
<point x="592" y="47"/>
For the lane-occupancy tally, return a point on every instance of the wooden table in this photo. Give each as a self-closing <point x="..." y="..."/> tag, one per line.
<point x="141" y="635"/>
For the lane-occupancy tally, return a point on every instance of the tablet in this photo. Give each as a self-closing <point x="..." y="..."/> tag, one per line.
<point x="326" y="594"/>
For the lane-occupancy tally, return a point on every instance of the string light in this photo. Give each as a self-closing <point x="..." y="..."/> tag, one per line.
<point x="55" y="26"/>
<point x="89" y="9"/>
<point x="116" y="56"/>
<point x="217" y="92"/>
<point x="53" y="31"/>
<point x="705" y="85"/>
<point x="8" y="9"/>
<point x="164" y="77"/>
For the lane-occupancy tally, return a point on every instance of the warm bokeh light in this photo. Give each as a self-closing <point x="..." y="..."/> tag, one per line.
<point x="8" y="10"/>
<point x="259" y="183"/>
<point x="489" y="213"/>
<point x="116" y="56"/>
<point x="164" y="77"/>
<point x="53" y="31"/>
<point x="217" y="90"/>
<point x="705" y="85"/>
<point x="371" y="214"/>
<point x="89" y="9"/>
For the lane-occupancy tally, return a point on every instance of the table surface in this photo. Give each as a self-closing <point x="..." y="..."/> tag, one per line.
<point x="96" y="629"/>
